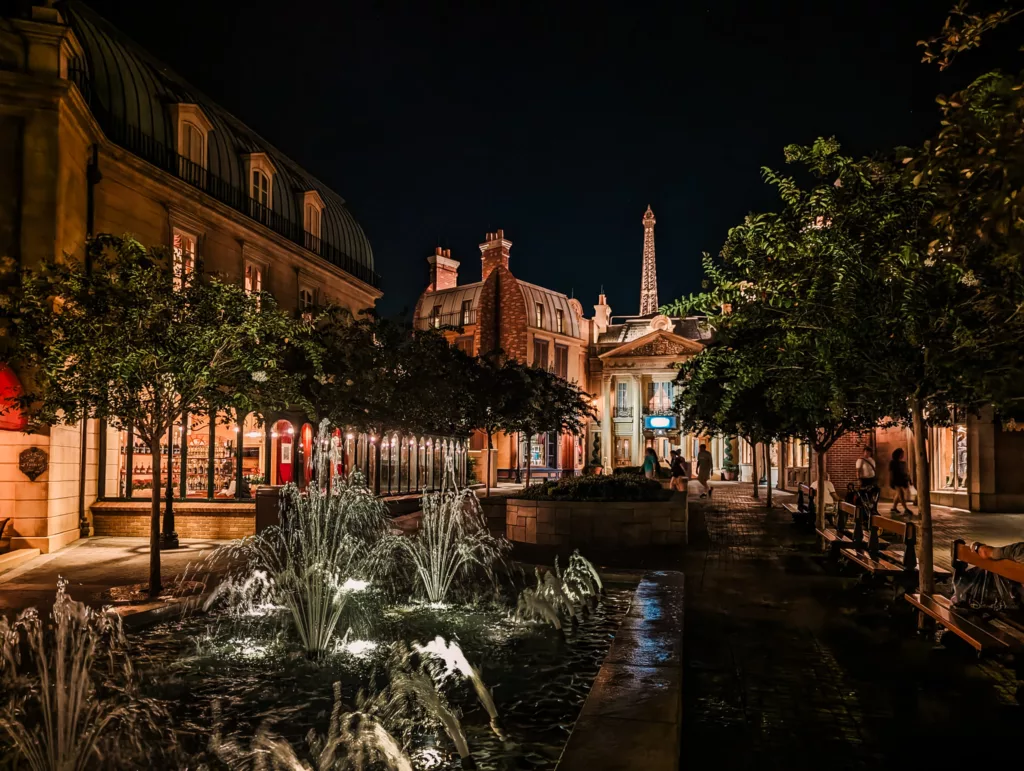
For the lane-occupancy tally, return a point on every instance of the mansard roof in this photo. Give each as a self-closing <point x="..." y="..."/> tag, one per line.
<point x="130" y="92"/>
<point x="633" y="327"/>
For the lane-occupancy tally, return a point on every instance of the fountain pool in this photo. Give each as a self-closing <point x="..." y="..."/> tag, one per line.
<point x="539" y="679"/>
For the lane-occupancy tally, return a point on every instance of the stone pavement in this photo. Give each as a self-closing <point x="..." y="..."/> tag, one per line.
<point x="91" y="566"/>
<point x="788" y="664"/>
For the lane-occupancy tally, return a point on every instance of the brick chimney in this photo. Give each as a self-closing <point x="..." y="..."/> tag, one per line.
<point x="444" y="271"/>
<point x="494" y="252"/>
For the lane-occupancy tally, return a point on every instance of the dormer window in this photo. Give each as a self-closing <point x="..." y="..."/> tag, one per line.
<point x="560" y="322"/>
<point x="260" y="174"/>
<point x="312" y="219"/>
<point x="192" y="129"/>
<point x="539" y="316"/>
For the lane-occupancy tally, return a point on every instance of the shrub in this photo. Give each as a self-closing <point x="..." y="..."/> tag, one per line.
<point x="618" y="487"/>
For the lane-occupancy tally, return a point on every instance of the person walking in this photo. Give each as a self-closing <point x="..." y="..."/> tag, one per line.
<point x="866" y="468"/>
<point x="651" y="463"/>
<point x="704" y="466"/>
<point x="899" y="481"/>
<point x="680" y="471"/>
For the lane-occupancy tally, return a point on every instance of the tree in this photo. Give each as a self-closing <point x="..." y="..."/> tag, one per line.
<point x="137" y="343"/>
<point x="500" y="394"/>
<point x="543" y="401"/>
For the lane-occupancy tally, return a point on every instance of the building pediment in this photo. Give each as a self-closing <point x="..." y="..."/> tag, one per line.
<point x="659" y="343"/>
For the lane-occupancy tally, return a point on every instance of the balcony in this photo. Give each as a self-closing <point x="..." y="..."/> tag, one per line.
<point x="622" y="413"/>
<point x="137" y="142"/>
<point x="454" y="320"/>
<point x="658" y="410"/>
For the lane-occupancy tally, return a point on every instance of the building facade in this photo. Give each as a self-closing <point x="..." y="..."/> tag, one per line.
<point x="98" y="137"/>
<point x="529" y="323"/>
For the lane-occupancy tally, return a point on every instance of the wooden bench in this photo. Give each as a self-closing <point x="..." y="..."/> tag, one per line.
<point x="876" y="558"/>
<point x="803" y="510"/>
<point x="842" y="535"/>
<point x="995" y="634"/>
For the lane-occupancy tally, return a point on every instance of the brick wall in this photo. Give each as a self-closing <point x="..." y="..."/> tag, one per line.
<point x="563" y="523"/>
<point x="841" y="459"/>
<point x="501" y="296"/>
<point x="207" y="522"/>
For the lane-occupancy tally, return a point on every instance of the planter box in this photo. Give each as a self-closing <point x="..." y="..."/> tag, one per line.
<point x="606" y="523"/>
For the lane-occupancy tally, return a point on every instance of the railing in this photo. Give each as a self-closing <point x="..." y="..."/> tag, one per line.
<point x="658" y="410"/>
<point x="622" y="412"/>
<point x="137" y="142"/>
<point x="446" y="320"/>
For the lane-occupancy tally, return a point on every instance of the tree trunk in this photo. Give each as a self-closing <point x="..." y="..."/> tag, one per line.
<point x="529" y="457"/>
<point x="820" y="495"/>
<point x="154" y="519"/>
<point x="753" y="469"/>
<point x="487" y="482"/>
<point x="768" y="472"/>
<point x="169" y="538"/>
<point x="376" y="470"/>
<point x="924" y="499"/>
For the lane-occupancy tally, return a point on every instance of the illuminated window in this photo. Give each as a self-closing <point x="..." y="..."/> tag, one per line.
<point x="435" y="316"/>
<point x="183" y="249"/>
<point x="192" y="142"/>
<point x="540" y="315"/>
<point x="260" y="188"/>
<point x="621" y="396"/>
<point x="467" y="307"/>
<point x="465" y="344"/>
<point x="560" y="322"/>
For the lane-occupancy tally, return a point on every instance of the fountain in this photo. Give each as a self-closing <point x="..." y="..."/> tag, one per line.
<point x="71" y="695"/>
<point x="452" y="545"/>
<point x="313" y="561"/>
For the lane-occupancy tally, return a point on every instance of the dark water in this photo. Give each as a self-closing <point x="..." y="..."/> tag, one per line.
<point x="255" y="673"/>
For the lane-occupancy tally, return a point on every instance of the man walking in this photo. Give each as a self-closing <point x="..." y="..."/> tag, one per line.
<point x="704" y="465"/>
<point x="866" y="468"/>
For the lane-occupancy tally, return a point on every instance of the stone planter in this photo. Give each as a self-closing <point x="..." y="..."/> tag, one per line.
<point x="603" y="523"/>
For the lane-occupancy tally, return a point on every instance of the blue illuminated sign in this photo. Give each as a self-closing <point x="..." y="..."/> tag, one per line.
<point x="660" y="422"/>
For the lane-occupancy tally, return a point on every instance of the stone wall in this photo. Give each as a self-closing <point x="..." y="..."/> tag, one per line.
<point x="191" y="520"/>
<point x="627" y="524"/>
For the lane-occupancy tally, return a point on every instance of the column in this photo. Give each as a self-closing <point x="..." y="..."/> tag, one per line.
<point x="607" y="437"/>
<point x="638" y="421"/>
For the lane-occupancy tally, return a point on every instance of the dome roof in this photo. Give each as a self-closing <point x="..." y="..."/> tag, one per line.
<point x="130" y="93"/>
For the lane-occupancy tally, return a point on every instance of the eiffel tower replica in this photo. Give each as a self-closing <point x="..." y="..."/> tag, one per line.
<point x="649" y="279"/>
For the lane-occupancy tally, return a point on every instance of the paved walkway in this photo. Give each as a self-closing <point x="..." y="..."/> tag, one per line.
<point x="92" y="566"/>
<point x="789" y="665"/>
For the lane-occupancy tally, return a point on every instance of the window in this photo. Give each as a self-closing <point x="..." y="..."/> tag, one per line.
<point x="192" y="144"/>
<point x="465" y="344"/>
<point x="949" y="459"/>
<point x="260" y="188"/>
<point x="467" y="307"/>
<point x="622" y="456"/>
<point x="306" y="300"/>
<point x="659" y="397"/>
<point x="312" y="219"/>
<point x="435" y="316"/>
<point x="621" y="396"/>
<point x="560" y="322"/>
<point x="540" y="354"/>
<point x="183" y="254"/>
<point x="562" y="361"/>
<point x="540" y="316"/>
<point x="253" y="278"/>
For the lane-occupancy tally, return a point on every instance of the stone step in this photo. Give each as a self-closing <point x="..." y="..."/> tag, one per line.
<point x="16" y="558"/>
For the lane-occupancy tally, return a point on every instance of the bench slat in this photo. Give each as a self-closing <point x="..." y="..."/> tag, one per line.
<point x="1014" y="571"/>
<point x="897" y="556"/>
<point x="877" y="567"/>
<point x="978" y="634"/>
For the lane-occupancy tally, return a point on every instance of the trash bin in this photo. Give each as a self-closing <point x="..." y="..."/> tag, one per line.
<point x="267" y="507"/>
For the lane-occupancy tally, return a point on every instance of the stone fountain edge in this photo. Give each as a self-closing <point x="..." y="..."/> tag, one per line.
<point x="632" y="717"/>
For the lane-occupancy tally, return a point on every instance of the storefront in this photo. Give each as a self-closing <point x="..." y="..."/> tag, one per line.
<point x="949" y="469"/>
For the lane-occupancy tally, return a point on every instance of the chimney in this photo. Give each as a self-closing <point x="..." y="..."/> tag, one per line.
<point x="444" y="271"/>
<point x="602" y="315"/>
<point x="494" y="252"/>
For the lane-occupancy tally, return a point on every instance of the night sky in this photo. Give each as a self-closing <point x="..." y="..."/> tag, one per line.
<point x="556" y="122"/>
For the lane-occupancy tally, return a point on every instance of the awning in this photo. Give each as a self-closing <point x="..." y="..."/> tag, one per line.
<point x="11" y="416"/>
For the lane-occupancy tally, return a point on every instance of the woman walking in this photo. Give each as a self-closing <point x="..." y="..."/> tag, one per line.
<point x="899" y="481"/>
<point x="651" y="463"/>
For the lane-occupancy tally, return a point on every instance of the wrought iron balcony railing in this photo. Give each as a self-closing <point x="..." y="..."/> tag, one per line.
<point x="659" y="410"/>
<point x="137" y="142"/>
<point x="446" y="320"/>
<point x="622" y="412"/>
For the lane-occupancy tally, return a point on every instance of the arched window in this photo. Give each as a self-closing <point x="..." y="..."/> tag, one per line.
<point x="260" y="188"/>
<point x="192" y="143"/>
<point x="313" y="220"/>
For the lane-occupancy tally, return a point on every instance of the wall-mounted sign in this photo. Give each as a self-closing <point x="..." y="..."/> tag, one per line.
<point x="660" y="422"/>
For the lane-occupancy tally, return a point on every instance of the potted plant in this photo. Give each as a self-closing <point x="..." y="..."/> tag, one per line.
<point x="729" y="467"/>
